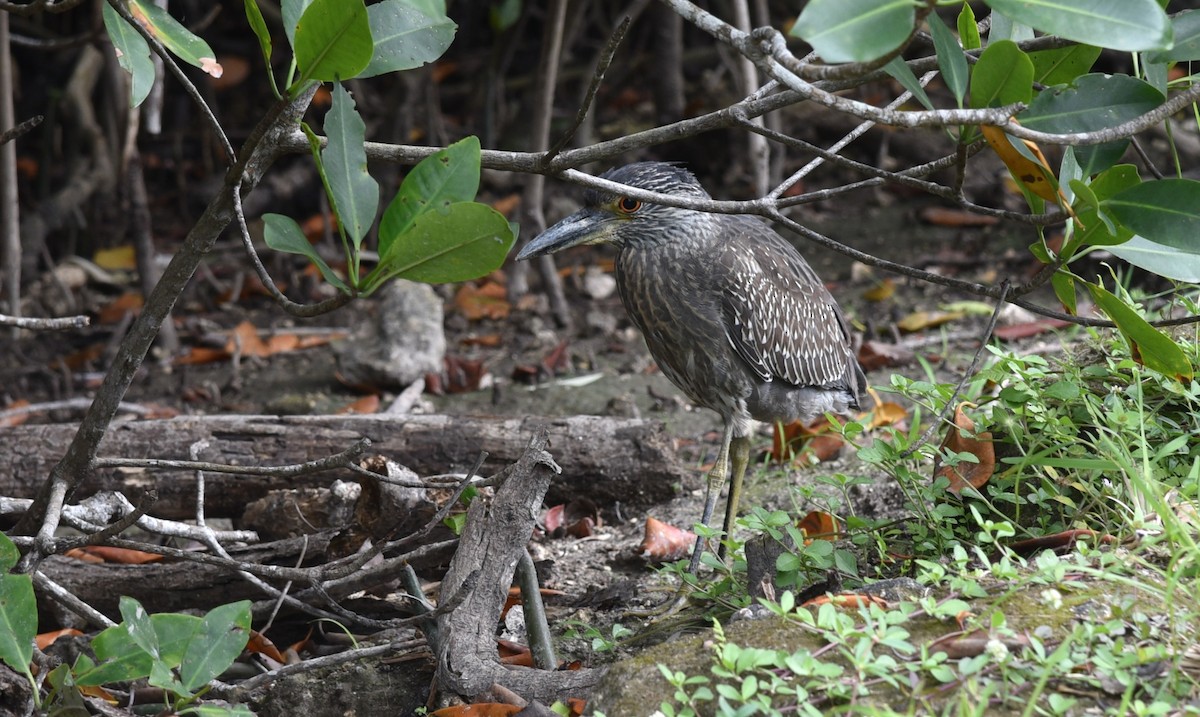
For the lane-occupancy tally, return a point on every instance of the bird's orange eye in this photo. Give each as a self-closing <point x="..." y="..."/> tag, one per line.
<point x="629" y="205"/>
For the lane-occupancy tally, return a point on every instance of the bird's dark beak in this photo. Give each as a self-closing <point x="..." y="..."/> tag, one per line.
<point x="585" y="226"/>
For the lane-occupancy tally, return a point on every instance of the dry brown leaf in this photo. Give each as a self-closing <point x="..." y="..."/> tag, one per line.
<point x="489" y="301"/>
<point x="819" y="525"/>
<point x="1035" y="175"/>
<point x="109" y="554"/>
<point x="943" y="217"/>
<point x="664" y="541"/>
<point x="17" y="418"/>
<point x="46" y="639"/>
<point x="962" y="439"/>
<point x="115" y="310"/>
<point x="874" y="355"/>
<point x="366" y="404"/>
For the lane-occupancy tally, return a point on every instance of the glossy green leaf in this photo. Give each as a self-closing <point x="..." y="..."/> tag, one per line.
<point x="179" y="40"/>
<point x="333" y="41"/>
<point x="968" y="28"/>
<point x="1117" y="24"/>
<point x="1064" y="289"/>
<point x="218" y="641"/>
<point x="951" y="60"/>
<point x="119" y="659"/>
<point x="441" y="179"/>
<point x="1186" y="28"/>
<point x="258" y="24"/>
<point x="1160" y="259"/>
<point x="405" y="36"/>
<point x="1099" y="228"/>
<point x="1166" y="212"/>
<point x="1005" y="28"/>
<point x="18" y="621"/>
<point x="1002" y="75"/>
<point x="283" y="234"/>
<point x="137" y="622"/>
<point x="854" y="30"/>
<point x="463" y="241"/>
<point x="1091" y="103"/>
<point x="292" y="11"/>
<point x="900" y="71"/>
<point x="9" y="554"/>
<point x="355" y="192"/>
<point x="1149" y="346"/>
<point x="133" y="54"/>
<point x="1062" y="65"/>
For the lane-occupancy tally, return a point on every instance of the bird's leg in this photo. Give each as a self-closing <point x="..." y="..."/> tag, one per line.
<point x="716" y="481"/>
<point x="739" y="450"/>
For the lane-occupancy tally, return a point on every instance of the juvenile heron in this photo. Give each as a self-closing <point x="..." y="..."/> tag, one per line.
<point x="732" y="313"/>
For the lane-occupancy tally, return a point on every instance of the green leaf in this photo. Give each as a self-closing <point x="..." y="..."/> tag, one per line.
<point x="133" y="54"/>
<point x="283" y="234"/>
<point x="901" y="72"/>
<point x="405" y="37"/>
<point x="854" y="30"/>
<point x="441" y="179"/>
<point x="1002" y="75"/>
<point x="464" y="241"/>
<point x="258" y="24"/>
<point x="504" y="14"/>
<point x="1062" y="65"/>
<point x="355" y="193"/>
<point x="333" y="41"/>
<point x="1166" y="212"/>
<point x="1091" y="103"/>
<point x="1186" y="27"/>
<point x="292" y="11"/>
<point x="1148" y="345"/>
<point x="222" y="635"/>
<point x="120" y="659"/>
<point x="18" y="621"/>
<point x="968" y="28"/>
<point x="9" y="553"/>
<point x="137" y="622"/>
<point x="1160" y="259"/>
<point x="175" y="37"/>
<point x="951" y="60"/>
<point x="1120" y="25"/>
<point x="1064" y="289"/>
<point x="1004" y="28"/>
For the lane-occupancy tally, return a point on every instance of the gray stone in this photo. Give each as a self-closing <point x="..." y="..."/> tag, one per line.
<point x="399" y="340"/>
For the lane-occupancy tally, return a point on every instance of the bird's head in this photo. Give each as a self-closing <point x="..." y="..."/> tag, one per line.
<point x="613" y="218"/>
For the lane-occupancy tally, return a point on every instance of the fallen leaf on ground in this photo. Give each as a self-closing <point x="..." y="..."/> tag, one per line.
<point x="46" y="639"/>
<point x="489" y="301"/>
<point x="17" y="418"/>
<point x="664" y="542"/>
<point x="819" y="525"/>
<point x="364" y="405"/>
<point x="961" y="438"/>
<point x="921" y="320"/>
<point x="108" y="554"/>
<point x="881" y="291"/>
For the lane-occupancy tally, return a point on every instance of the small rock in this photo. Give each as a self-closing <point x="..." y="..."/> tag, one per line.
<point x="400" y="339"/>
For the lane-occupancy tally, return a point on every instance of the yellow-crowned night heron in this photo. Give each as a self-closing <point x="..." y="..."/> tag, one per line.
<point x="732" y="313"/>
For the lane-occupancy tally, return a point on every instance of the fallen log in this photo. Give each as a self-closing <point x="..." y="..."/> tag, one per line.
<point x="603" y="458"/>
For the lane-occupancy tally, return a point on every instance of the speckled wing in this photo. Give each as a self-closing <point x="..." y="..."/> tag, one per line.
<point x="779" y="317"/>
